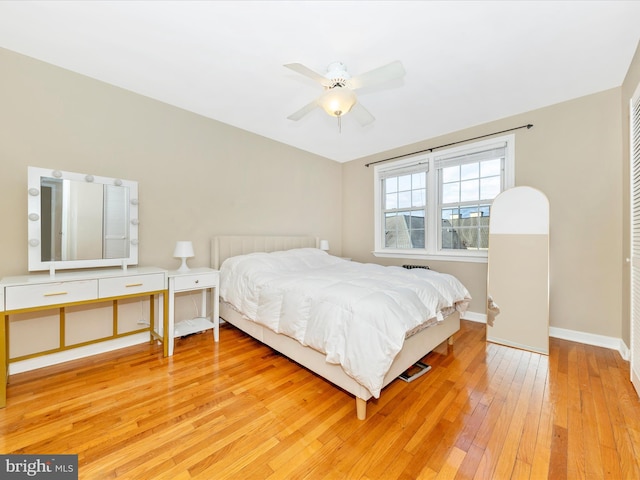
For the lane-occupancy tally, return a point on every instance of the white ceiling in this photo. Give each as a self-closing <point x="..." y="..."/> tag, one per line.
<point x="467" y="63"/>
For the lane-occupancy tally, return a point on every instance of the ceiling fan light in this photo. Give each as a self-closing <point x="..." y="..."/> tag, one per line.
<point x="337" y="101"/>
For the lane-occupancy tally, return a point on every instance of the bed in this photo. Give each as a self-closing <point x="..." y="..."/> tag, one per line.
<point x="333" y="364"/>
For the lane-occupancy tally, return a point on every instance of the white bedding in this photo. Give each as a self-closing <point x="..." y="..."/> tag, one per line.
<point x="357" y="314"/>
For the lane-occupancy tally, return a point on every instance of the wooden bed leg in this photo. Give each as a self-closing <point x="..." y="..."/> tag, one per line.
<point x="450" y="341"/>
<point x="361" y="408"/>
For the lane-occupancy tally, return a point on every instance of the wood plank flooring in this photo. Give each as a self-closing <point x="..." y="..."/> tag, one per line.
<point x="238" y="410"/>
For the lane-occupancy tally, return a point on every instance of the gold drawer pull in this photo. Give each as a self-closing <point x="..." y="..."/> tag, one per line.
<point x="52" y="294"/>
<point x="133" y="285"/>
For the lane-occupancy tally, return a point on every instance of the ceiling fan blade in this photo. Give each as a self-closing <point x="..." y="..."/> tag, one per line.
<point x="307" y="72"/>
<point x="362" y="115"/>
<point x="378" y="75"/>
<point x="303" y="111"/>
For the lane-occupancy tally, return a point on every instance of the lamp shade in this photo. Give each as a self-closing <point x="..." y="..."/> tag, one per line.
<point x="184" y="249"/>
<point x="324" y="245"/>
<point x="338" y="100"/>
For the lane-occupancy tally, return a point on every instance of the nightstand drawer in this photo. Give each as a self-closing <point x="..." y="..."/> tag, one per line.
<point x="131" y="285"/>
<point x="27" y="296"/>
<point x="195" y="281"/>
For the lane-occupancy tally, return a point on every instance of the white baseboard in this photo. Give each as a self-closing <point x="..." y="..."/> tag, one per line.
<point x="475" y="317"/>
<point x="76" y="353"/>
<point x="604" y="341"/>
<point x="612" y="343"/>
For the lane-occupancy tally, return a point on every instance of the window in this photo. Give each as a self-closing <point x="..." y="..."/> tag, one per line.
<point x="439" y="205"/>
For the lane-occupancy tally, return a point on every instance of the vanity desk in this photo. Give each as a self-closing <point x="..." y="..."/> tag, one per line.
<point x="66" y="290"/>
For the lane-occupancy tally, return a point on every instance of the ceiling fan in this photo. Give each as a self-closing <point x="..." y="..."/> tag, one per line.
<point x="339" y="97"/>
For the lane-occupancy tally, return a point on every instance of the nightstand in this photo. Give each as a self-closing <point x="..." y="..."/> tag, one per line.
<point x="205" y="280"/>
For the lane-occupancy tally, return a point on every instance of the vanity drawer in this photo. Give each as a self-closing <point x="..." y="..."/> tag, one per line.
<point x="28" y="296"/>
<point x="131" y="285"/>
<point x="195" y="281"/>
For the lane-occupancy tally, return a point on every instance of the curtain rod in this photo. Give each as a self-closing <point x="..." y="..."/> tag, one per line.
<point x="528" y="126"/>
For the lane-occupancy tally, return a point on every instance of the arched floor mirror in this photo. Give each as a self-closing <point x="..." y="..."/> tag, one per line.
<point x="518" y="270"/>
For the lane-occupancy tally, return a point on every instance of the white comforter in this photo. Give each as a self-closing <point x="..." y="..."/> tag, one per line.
<point x="357" y="314"/>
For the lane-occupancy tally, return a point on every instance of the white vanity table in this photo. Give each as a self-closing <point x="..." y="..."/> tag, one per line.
<point x="205" y="280"/>
<point x="85" y="294"/>
<point x="39" y="292"/>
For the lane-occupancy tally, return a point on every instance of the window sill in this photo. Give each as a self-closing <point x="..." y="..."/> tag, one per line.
<point x="431" y="256"/>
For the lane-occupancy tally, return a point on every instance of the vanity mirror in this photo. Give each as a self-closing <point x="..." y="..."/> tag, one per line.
<point x="81" y="221"/>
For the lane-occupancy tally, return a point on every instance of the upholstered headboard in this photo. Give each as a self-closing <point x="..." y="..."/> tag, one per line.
<point x="225" y="246"/>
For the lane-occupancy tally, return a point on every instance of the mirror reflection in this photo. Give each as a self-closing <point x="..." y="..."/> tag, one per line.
<point x="83" y="221"/>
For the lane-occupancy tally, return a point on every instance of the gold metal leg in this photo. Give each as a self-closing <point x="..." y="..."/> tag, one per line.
<point x="4" y="361"/>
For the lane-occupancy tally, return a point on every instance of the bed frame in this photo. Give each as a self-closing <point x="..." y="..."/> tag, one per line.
<point x="415" y="347"/>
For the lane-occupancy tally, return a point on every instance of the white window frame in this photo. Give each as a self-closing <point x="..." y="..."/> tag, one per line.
<point x="432" y="250"/>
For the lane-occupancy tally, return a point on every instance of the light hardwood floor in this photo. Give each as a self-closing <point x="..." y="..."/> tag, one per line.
<point x="239" y="410"/>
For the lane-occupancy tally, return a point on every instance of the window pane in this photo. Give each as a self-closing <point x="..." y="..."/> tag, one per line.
<point x="468" y="237"/>
<point x="404" y="199"/>
<point x="469" y="170"/>
<point x="465" y="227"/>
<point x="469" y="190"/>
<point x="490" y="168"/>
<point x="390" y="234"/>
<point x="417" y="238"/>
<point x="419" y="198"/>
<point x="449" y="215"/>
<point x="419" y="180"/>
<point x="451" y="193"/>
<point x="465" y="232"/>
<point x="405" y="230"/>
<point x="415" y="222"/>
<point x="469" y="216"/>
<point x="390" y="201"/>
<point x="404" y="182"/>
<point x="391" y="184"/>
<point x="483" y="238"/>
<point x="449" y="236"/>
<point x="451" y="174"/>
<point x="489" y="188"/>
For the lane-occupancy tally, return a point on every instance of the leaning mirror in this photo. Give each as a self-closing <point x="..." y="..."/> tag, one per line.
<point x="81" y="221"/>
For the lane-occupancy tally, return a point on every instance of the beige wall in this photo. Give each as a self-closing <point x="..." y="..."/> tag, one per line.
<point x="197" y="177"/>
<point x="572" y="154"/>
<point x="629" y="86"/>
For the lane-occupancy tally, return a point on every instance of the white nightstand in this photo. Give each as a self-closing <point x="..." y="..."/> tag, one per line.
<point x="204" y="279"/>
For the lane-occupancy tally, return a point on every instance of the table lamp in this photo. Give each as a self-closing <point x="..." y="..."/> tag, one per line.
<point x="183" y="250"/>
